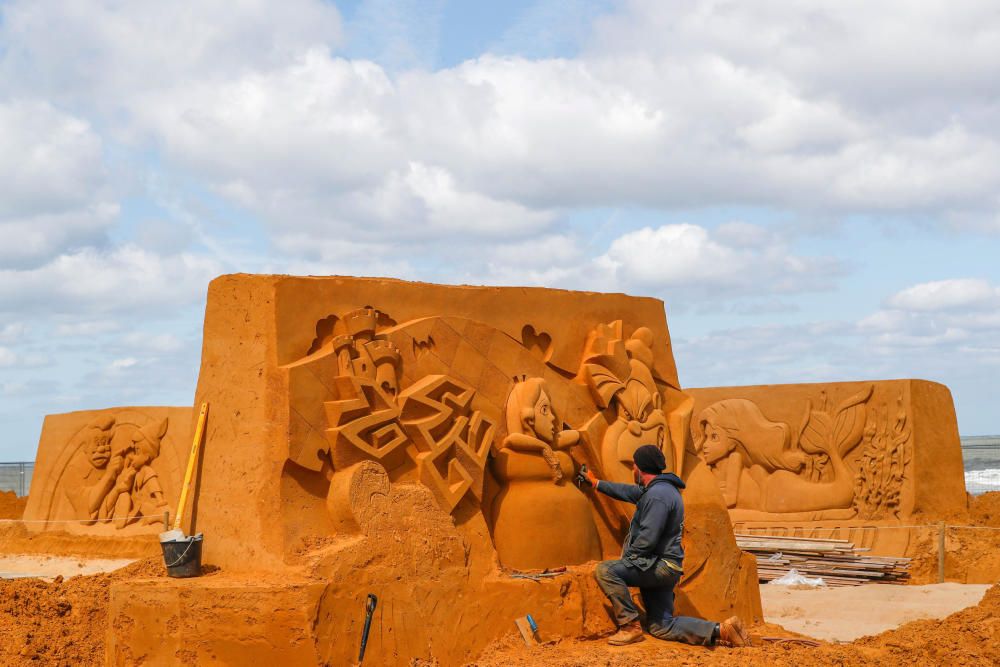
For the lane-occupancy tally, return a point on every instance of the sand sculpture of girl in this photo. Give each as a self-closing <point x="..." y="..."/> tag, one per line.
<point x="758" y="468"/>
<point x="540" y="519"/>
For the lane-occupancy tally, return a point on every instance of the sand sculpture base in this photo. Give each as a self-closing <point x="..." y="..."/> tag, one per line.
<point x="419" y="442"/>
<point x="441" y="597"/>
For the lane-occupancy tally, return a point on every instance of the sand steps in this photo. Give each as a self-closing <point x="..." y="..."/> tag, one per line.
<point x="838" y="562"/>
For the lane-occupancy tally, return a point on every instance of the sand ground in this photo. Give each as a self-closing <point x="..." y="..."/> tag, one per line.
<point x="15" y="566"/>
<point x="844" y="614"/>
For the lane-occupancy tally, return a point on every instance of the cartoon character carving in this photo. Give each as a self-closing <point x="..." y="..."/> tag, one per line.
<point x="113" y="481"/>
<point x="759" y="465"/>
<point x="540" y="519"/>
<point x="619" y="374"/>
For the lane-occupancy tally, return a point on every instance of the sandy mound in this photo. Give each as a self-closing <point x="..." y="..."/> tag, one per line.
<point x="968" y="637"/>
<point x="972" y="551"/>
<point x="11" y="506"/>
<point x="60" y="623"/>
<point x="984" y="510"/>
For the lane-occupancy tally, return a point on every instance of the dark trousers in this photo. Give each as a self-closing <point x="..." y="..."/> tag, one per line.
<point x="656" y="585"/>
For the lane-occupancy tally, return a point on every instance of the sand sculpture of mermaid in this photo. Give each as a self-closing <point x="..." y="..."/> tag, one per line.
<point x="540" y="519"/>
<point x="760" y="468"/>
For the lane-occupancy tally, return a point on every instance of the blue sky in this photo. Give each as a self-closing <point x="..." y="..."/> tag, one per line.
<point x="813" y="189"/>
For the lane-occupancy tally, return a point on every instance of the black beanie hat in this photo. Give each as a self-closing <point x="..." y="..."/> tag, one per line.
<point x="649" y="459"/>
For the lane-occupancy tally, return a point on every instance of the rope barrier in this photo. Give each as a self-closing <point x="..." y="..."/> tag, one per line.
<point x="55" y="520"/>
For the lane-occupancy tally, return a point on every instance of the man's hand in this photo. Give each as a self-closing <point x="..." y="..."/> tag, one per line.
<point x="586" y="476"/>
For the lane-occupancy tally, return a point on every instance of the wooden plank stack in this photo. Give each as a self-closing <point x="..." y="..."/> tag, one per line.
<point x="838" y="562"/>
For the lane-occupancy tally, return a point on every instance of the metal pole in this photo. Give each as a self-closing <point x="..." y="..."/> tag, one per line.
<point x="941" y="552"/>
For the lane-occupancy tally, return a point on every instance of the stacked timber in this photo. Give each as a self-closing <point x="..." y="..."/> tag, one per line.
<point x="838" y="562"/>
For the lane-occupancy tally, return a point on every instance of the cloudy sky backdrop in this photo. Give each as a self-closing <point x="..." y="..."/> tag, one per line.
<point x="812" y="188"/>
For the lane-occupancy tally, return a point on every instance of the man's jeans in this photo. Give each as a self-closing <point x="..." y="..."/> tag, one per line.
<point x="656" y="585"/>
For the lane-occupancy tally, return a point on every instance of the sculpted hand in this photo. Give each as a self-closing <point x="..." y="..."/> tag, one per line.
<point x="116" y="464"/>
<point x="125" y="480"/>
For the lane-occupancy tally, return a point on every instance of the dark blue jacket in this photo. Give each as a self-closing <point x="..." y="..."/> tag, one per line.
<point x="658" y="522"/>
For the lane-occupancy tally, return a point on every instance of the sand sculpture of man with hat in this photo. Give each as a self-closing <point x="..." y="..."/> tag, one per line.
<point x="652" y="559"/>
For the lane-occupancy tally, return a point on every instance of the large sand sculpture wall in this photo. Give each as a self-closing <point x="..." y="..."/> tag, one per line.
<point x="419" y="442"/>
<point x="111" y="472"/>
<point x="834" y="459"/>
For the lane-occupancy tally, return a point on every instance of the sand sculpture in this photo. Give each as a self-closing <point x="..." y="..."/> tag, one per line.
<point x="108" y="472"/>
<point x="833" y="458"/>
<point x="419" y="442"/>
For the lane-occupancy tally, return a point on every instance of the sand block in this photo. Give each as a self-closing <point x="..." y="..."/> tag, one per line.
<point x="111" y="472"/>
<point x="418" y="442"/>
<point x="860" y="461"/>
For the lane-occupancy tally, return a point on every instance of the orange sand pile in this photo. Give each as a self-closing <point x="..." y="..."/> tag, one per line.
<point x="972" y="546"/>
<point x="984" y="510"/>
<point x="11" y="507"/>
<point x="60" y="623"/>
<point x="968" y="637"/>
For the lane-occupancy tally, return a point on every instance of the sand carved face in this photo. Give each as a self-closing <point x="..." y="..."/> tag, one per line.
<point x="542" y="421"/>
<point x="619" y="372"/>
<point x="98" y="448"/>
<point x="717" y="444"/>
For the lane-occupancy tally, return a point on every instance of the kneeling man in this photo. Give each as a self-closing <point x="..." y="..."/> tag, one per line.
<point x="652" y="559"/>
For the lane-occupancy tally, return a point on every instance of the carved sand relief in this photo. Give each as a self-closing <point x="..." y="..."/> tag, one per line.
<point x="619" y="374"/>
<point x="845" y="462"/>
<point x="473" y="413"/>
<point x="540" y="519"/>
<point x="429" y="427"/>
<point x="885" y="460"/>
<point x="108" y="474"/>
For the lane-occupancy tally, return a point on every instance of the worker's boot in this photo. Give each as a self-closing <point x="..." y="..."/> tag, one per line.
<point x="732" y="633"/>
<point x="627" y="634"/>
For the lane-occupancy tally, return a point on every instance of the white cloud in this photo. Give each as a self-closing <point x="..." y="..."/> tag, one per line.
<point x="124" y="280"/>
<point x="52" y="184"/>
<point x="739" y="258"/>
<point x="7" y="357"/>
<point x="739" y="106"/>
<point x="102" y="53"/>
<point x="13" y="332"/>
<point x="959" y="293"/>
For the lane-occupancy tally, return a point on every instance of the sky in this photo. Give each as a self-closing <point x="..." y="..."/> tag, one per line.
<point x="813" y="189"/>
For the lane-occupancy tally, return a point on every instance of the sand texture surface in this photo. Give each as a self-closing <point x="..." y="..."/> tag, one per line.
<point x="968" y="637"/>
<point x="844" y="614"/>
<point x="11" y="506"/>
<point x="61" y="622"/>
<point x="34" y="565"/>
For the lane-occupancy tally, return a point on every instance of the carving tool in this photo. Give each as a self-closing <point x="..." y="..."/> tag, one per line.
<point x="195" y="446"/>
<point x="370" y="604"/>
<point x="529" y="630"/>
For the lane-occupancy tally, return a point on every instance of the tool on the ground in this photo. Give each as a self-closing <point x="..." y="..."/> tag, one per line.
<point x="533" y="625"/>
<point x="529" y="630"/>
<point x="370" y="605"/>
<point x="192" y="458"/>
<point x="535" y="576"/>
<point x="790" y="641"/>
<point x="182" y="554"/>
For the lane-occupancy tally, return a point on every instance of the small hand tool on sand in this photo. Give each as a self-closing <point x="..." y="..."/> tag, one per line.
<point x="370" y="604"/>
<point x="528" y="628"/>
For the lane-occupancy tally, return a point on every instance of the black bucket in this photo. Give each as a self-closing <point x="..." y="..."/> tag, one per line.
<point x="182" y="556"/>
